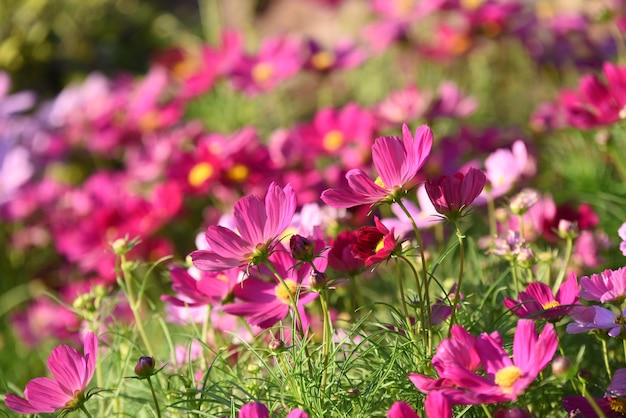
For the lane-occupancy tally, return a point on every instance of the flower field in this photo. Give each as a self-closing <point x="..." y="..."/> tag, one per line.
<point x="419" y="212"/>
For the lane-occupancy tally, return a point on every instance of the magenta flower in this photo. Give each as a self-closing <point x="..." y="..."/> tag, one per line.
<point x="436" y="406"/>
<point x="609" y="286"/>
<point x="612" y="404"/>
<point x="505" y="378"/>
<point x="72" y="373"/>
<point x="254" y="410"/>
<point x="397" y="162"/>
<point x="622" y="234"/>
<point x="259" y="227"/>
<point x="537" y="301"/>
<point x="451" y="195"/>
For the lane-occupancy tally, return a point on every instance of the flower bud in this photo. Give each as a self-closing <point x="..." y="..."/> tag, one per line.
<point x="567" y="229"/>
<point x="561" y="365"/>
<point x="302" y="248"/>
<point x="145" y="367"/>
<point x="276" y="346"/>
<point x="523" y="201"/>
<point x="317" y="280"/>
<point x="353" y="392"/>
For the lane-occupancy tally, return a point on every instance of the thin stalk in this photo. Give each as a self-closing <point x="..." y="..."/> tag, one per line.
<point x="592" y="402"/>
<point x="402" y="296"/>
<point x="134" y="304"/>
<point x="296" y="313"/>
<point x="426" y="299"/>
<point x="568" y="255"/>
<point x="520" y="219"/>
<point x="82" y="408"/>
<point x="457" y="294"/>
<point x="514" y="274"/>
<point x="423" y="316"/>
<point x="486" y="410"/>
<point x="154" y="398"/>
<point x="605" y="356"/>
<point x="326" y="336"/>
<point x="491" y="215"/>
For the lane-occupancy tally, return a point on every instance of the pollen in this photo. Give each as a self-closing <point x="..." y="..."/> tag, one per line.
<point x="379" y="182"/>
<point x="283" y="294"/>
<point x="550" y="305"/>
<point x="333" y="140"/>
<point x="200" y="173"/>
<point x="238" y="173"/>
<point x="380" y="245"/>
<point x="507" y="376"/>
<point x="323" y="60"/>
<point x="617" y="405"/>
<point x="262" y="72"/>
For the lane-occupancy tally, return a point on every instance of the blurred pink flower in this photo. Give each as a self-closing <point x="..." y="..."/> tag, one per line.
<point x="622" y="234"/>
<point x="211" y="288"/>
<point x="403" y="106"/>
<point x="397" y="162"/>
<point x="344" y="55"/>
<point x="259" y="226"/>
<point x="278" y="59"/>
<point x="537" y="301"/>
<point x="72" y="373"/>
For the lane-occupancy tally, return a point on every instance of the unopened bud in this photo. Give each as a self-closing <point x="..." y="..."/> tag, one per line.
<point x="145" y="367"/>
<point x="523" y="201"/>
<point x="353" y="392"/>
<point x="561" y="365"/>
<point x="276" y="346"/>
<point x="317" y="280"/>
<point x="567" y="229"/>
<point x="302" y="248"/>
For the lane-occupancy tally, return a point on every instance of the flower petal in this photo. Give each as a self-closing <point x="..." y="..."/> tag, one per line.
<point x="250" y="218"/>
<point x="46" y="394"/>
<point x="280" y="205"/>
<point x="68" y="367"/>
<point x="388" y="155"/>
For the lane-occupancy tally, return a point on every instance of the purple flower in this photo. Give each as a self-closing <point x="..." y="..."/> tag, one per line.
<point x="596" y="317"/>
<point x="609" y="286"/>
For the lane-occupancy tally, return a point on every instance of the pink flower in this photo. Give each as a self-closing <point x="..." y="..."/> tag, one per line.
<point x="259" y="227"/>
<point x="72" y="373"/>
<point x="504" y="378"/>
<point x="451" y="195"/>
<point x="609" y="286"/>
<point x="254" y="410"/>
<point x="622" y="234"/>
<point x="589" y="318"/>
<point x="279" y="59"/>
<point x="403" y="106"/>
<point x="397" y="162"/>
<point x="264" y="301"/>
<point x="401" y="410"/>
<point x="537" y="301"/>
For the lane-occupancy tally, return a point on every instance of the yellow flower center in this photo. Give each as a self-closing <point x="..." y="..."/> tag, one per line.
<point x="262" y="72"/>
<point x="322" y="60"/>
<point x="282" y="292"/>
<point x="200" y="173"/>
<point x="380" y="245"/>
<point x="185" y="68"/>
<point x="506" y="377"/>
<point x="333" y="140"/>
<point x="461" y="44"/>
<point x="471" y="4"/>
<point x="149" y="122"/>
<point x="238" y="172"/>
<point x="617" y="405"/>
<point x="379" y="182"/>
<point x="550" y="305"/>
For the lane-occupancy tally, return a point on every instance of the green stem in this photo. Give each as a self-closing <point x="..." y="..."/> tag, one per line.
<point x="296" y="313"/>
<point x="491" y="215"/>
<point x="134" y="304"/>
<point x="426" y="298"/>
<point x="402" y="296"/>
<point x="457" y="294"/>
<point x="82" y="408"/>
<point x="154" y="398"/>
<point x="326" y="336"/>
<point x="486" y="410"/>
<point x="514" y="274"/>
<point x="592" y="402"/>
<point x="605" y="356"/>
<point x="566" y="260"/>
<point x="423" y="319"/>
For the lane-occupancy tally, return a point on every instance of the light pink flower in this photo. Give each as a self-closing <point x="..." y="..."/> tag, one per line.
<point x="397" y="162"/>
<point x="259" y="226"/>
<point x="608" y="286"/>
<point x="72" y="373"/>
<point x="622" y="234"/>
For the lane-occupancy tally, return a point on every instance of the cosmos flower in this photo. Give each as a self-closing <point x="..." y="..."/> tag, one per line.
<point x="451" y="195"/>
<point x="397" y="162"/>
<point x="259" y="226"/>
<point x="537" y="301"/>
<point x="72" y="373"/>
<point x="612" y="404"/>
